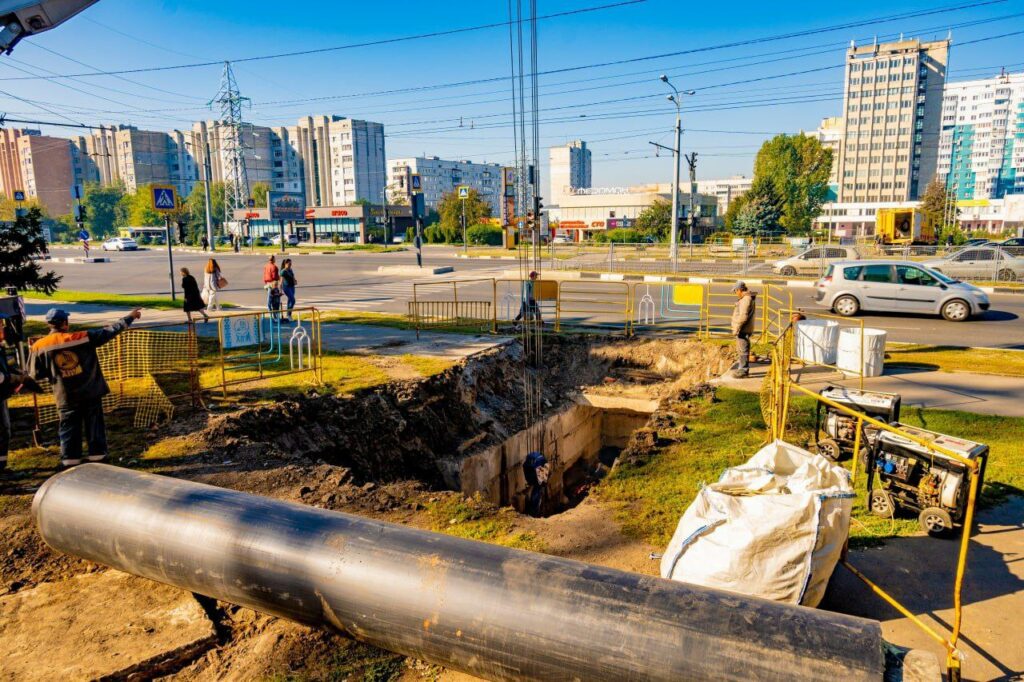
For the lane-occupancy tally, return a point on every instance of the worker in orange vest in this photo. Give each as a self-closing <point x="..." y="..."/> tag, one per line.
<point x="68" y="361"/>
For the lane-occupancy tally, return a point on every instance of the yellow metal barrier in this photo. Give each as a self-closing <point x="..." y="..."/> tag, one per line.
<point x="601" y="303"/>
<point x="668" y="306"/>
<point x="435" y="315"/>
<point x="775" y="406"/>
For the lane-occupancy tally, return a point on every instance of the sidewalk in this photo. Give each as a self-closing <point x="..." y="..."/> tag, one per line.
<point x="965" y="391"/>
<point x="338" y="337"/>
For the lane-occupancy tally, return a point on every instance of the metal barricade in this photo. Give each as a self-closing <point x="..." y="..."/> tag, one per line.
<point x="669" y="306"/>
<point x="593" y="304"/>
<point x="510" y="299"/>
<point x="439" y="305"/>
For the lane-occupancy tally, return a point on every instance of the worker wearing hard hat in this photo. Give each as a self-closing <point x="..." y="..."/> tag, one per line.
<point x="68" y="361"/>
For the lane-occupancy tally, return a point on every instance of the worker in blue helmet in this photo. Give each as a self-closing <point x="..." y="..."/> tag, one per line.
<point x="536" y="470"/>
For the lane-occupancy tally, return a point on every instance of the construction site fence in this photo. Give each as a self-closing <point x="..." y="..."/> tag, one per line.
<point x="614" y="305"/>
<point x="155" y="369"/>
<point x="777" y="391"/>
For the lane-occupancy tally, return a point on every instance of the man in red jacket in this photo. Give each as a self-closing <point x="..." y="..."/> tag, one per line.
<point x="271" y="275"/>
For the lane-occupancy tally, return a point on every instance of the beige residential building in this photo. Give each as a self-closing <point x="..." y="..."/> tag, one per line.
<point x="570" y="168"/>
<point x="45" y="168"/>
<point x="892" y="110"/>
<point x="343" y="159"/>
<point x="129" y="156"/>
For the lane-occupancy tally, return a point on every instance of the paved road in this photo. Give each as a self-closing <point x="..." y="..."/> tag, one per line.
<point x="350" y="281"/>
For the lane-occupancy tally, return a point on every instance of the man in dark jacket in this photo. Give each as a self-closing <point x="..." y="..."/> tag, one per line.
<point x="10" y="379"/>
<point x="68" y="361"/>
<point x="743" y="326"/>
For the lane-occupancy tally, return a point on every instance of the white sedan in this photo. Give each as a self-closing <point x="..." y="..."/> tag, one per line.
<point x="120" y="244"/>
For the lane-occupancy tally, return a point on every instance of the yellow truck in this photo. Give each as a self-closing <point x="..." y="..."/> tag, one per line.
<point x="903" y="226"/>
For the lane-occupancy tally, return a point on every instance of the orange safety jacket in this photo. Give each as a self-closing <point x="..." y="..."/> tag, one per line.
<point x="68" y="361"/>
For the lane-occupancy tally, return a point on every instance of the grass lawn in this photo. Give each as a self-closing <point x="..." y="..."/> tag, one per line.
<point x="956" y="359"/>
<point x="649" y="498"/>
<point x="121" y="300"/>
<point x="392" y="321"/>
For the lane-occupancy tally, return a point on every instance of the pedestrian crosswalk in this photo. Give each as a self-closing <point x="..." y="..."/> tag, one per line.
<point x="388" y="295"/>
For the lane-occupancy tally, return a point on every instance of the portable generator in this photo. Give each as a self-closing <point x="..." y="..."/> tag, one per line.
<point x="910" y="476"/>
<point x="840" y="428"/>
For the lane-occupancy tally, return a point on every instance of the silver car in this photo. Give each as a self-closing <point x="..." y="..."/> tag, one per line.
<point x="814" y="260"/>
<point x="897" y="287"/>
<point x="990" y="262"/>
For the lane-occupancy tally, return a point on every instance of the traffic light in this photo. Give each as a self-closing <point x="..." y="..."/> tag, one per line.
<point x="530" y="220"/>
<point x="181" y="232"/>
<point x="80" y="213"/>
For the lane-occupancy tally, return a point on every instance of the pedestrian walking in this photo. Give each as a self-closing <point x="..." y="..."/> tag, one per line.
<point x="68" y="361"/>
<point x="205" y="242"/>
<point x="288" y="283"/>
<point x="743" y="326"/>
<point x="528" y="306"/>
<point x="194" y="302"/>
<point x="213" y="282"/>
<point x="236" y="242"/>
<point x="271" y="280"/>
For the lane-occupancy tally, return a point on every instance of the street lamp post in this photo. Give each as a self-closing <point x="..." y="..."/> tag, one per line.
<point x="675" y="98"/>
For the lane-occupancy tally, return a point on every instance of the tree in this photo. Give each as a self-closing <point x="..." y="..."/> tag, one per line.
<point x="654" y="220"/>
<point x="735" y="206"/>
<point x="9" y="206"/>
<point x="136" y="209"/>
<point x="761" y="210"/>
<point x="101" y="208"/>
<point x="195" y="209"/>
<point x="259" y="193"/>
<point x="21" y="241"/>
<point x="799" y="166"/>
<point x="450" y="210"/>
<point x="935" y="205"/>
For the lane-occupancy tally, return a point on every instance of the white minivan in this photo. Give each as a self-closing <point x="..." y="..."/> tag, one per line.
<point x="898" y="287"/>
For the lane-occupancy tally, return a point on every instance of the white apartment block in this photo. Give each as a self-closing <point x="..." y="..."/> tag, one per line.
<point x="343" y="159"/>
<point x="570" y="168"/>
<point x="981" y="147"/>
<point x="440" y="176"/>
<point x="724" y="190"/>
<point x="892" y="110"/>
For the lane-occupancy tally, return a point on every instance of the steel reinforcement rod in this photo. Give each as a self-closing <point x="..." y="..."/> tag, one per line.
<point x="490" y="611"/>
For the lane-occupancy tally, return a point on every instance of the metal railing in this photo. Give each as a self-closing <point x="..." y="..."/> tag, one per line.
<point x="452" y="314"/>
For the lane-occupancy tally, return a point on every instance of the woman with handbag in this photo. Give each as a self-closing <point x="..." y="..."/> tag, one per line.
<point x="213" y="282"/>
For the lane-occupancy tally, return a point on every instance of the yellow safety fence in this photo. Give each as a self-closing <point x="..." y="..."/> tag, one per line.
<point x="775" y="401"/>
<point x="629" y="307"/>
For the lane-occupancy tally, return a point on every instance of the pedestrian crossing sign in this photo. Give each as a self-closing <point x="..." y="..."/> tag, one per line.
<point x="163" y="198"/>
<point x="463" y="191"/>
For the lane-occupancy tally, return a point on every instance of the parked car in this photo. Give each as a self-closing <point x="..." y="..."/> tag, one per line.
<point x="120" y="244"/>
<point x="260" y="241"/>
<point x="290" y="240"/>
<point x="898" y="287"/>
<point x="1014" y="246"/>
<point x="814" y="260"/>
<point x="561" y="239"/>
<point x="981" y="262"/>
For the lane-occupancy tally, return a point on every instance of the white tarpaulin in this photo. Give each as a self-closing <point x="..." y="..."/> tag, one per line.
<point x="773" y="527"/>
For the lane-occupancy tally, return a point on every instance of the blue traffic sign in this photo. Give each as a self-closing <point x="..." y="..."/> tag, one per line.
<point x="19" y="195"/>
<point x="163" y="198"/>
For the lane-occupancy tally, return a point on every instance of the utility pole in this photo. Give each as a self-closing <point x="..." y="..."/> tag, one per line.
<point x="207" y="174"/>
<point x="170" y="253"/>
<point x="673" y="240"/>
<point x="691" y="161"/>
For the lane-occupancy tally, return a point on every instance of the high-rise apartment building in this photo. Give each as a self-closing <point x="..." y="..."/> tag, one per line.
<point x="569" y="168"/>
<point x="256" y="143"/>
<point x="440" y="177"/>
<point x="129" y="156"/>
<point x="893" y="107"/>
<point x="981" y="148"/>
<point x="342" y="159"/>
<point x="725" y="190"/>
<point x="45" y="168"/>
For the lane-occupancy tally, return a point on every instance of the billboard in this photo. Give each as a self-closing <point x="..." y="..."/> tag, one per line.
<point x="286" y="206"/>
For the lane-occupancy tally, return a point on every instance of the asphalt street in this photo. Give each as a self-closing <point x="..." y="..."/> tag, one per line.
<point x="350" y="281"/>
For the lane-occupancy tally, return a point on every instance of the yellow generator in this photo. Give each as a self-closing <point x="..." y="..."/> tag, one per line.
<point x="904" y="226"/>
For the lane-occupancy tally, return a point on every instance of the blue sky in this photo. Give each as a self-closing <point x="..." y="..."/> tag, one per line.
<point x="616" y="108"/>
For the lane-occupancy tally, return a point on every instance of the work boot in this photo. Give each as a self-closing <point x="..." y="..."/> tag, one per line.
<point x="739" y="374"/>
<point x="68" y="463"/>
<point x="96" y="458"/>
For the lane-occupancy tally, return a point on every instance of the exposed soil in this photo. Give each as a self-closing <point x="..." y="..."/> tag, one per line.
<point x="375" y="453"/>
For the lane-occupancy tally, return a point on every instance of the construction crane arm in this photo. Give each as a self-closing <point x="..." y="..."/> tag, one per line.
<point x="19" y="18"/>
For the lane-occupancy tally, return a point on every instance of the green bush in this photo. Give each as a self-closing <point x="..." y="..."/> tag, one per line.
<point x="484" y="235"/>
<point x="438" y="234"/>
<point x="619" y="235"/>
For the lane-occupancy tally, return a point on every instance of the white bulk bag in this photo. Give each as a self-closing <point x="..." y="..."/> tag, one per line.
<point x="772" y="528"/>
<point x="848" y="357"/>
<point x="816" y="341"/>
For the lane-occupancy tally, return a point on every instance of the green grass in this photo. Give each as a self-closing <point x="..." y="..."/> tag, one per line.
<point x="477" y="519"/>
<point x="648" y="498"/>
<point x="341" y="374"/>
<point x="370" y="248"/>
<point x="427" y="366"/>
<point x="392" y="321"/>
<point x="118" y="300"/>
<point x="956" y="359"/>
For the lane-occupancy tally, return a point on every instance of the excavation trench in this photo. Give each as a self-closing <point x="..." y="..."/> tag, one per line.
<point x="465" y="429"/>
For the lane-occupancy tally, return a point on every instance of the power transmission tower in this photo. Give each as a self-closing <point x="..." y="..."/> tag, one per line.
<point x="232" y="144"/>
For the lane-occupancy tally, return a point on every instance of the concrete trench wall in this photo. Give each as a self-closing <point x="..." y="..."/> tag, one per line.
<point x="576" y="432"/>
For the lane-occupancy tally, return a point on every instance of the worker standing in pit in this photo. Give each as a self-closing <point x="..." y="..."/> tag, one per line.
<point x="536" y="470"/>
<point x="743" y="326"/>
<point x="68" y="360"/>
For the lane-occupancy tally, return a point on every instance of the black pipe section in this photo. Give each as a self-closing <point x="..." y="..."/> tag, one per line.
<point x="490" y="611"/>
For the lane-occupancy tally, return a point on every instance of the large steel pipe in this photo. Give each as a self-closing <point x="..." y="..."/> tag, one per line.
<point x="489" y="611"/>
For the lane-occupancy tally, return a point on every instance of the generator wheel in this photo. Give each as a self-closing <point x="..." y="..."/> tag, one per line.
<point x="935" y="521"/>
<point x="829" y="449"/>
<point x="881" y="504"/>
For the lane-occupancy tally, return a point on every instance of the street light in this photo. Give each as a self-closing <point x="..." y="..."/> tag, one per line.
<point x="675" y="99"/>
